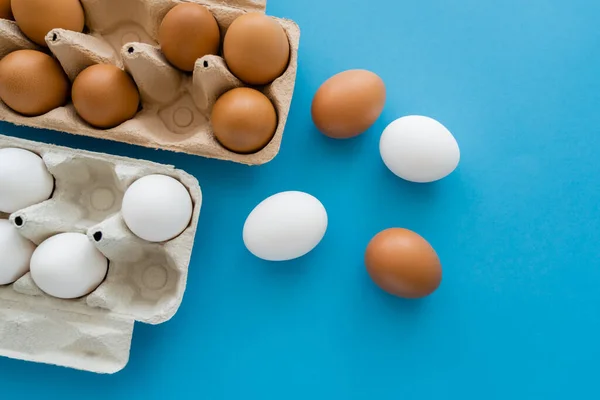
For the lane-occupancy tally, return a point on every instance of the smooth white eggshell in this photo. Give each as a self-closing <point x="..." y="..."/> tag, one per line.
<point x="157" y="208"/>
<point x="15" y="253"/>
<point x="285" y="226"/>
<point x="419" y="149"/>
<point x="68" y="266"/>
<point x="24" y="180"/>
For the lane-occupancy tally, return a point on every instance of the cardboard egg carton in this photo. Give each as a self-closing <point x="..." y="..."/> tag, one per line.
<point x="145" y="281"/>
<point x="176" y="106"/>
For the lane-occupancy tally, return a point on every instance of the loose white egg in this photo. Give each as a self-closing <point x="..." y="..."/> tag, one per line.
<point x="24" y="180"/>
<point x="15" y="253"/>
<point x="419" y="149"/>
<point x="68" y="266"/>
<point x="285" y="226"/>
<point x="157" y="208"/>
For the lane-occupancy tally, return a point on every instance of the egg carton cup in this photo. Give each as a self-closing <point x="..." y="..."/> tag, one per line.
<point x="145" y="281"/>
<point x="176" y="106"/>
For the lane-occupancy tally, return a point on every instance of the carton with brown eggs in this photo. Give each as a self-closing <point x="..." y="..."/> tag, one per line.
<point x="176" y="106"/>
<point x="145" y="281"/>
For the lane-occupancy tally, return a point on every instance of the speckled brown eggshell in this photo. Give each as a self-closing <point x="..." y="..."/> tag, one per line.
<point x="256" y="49"/>
<point x="403" y="263"/>
<point x="348" y="104"/>
<point x="188" y="32"/>
<point x="244" y="120"/>
<point x="36" y="18"/>
<point x="5" y="10"/>
<point x="32" y="83"/>
<point x="105" y="96"/>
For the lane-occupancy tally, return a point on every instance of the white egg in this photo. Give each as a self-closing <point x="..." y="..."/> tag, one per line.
<point x="15" y="253"/>
<point x="285" y="226"/>
<point x="68" y="266"/>
<point x="419" y="149"/>
<point x="157" y="208"/>
<point x="24" y="180"/>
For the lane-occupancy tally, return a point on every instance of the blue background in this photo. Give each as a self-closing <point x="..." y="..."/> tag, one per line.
<point x="516" y="225"/>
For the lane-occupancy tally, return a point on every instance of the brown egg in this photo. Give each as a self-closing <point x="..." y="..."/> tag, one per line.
<point x="5" y="11"/>
<point x="188" y="32"/>
<point x="403" y="263"/>
<point x="244" y="120"/>
<point x="36" y="18"/>
<point x="105" y="96"/>
<point x="32" y="83"/>
<point x="348" y="103"/>
<point x="256" y="49"/>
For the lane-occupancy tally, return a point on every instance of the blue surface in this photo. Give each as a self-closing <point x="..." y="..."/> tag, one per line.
<point x="516" y="225"/>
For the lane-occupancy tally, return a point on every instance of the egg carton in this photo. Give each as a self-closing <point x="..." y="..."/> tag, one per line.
<point x="145" y="282"/>
<point x="176" y="106"/>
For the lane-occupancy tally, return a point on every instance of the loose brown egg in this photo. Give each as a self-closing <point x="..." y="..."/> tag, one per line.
<point x="5" y="11"/>
<point x="188" y="32"/>
<point x="105" y="96"/>
<point x="403" y="263"/>
<point x="256" y="49"/>
<point x="348" y="103"/>
<point x="244" y="120"/>
<point x="32" y="83"/>
<point x="36" y="18"/>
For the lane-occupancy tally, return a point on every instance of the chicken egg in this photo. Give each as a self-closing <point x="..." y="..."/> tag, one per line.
<point x="285" y="226"/>
<point x="403" y="263"/>
<point x="5" y="10"/>
<point x="188" y="32"/>
<point x="68" y="266"/>
<point x="157" y="208"/>
<point x="244" y="120"/>
<point x="24" y="180"/>
<point x="36" y="18"/>
<point x="32" y="83"/>
<point x="256" y="49"/>
<point x="105" y="96"/>
<point x="348" y="103"/>
<point x="15" y="253"/>
<point x="419" y="149"/>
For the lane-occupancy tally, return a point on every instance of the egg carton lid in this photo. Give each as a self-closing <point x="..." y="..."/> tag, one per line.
<point x="72" y="333"/>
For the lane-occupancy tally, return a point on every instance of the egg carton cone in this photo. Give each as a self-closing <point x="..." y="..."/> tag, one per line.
<point x="145" y="281"/>
<point x="176" y="106"/>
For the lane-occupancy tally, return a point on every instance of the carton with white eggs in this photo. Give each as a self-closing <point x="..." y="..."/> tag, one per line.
<point x="138" y="72"/>
<point x="89" y="244"/>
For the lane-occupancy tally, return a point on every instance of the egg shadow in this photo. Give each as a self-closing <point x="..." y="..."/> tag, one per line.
<point x="340" y="147"/>
<point x="290" y="269"/>
<point x="386" y="302"/>
<point x="417" y="191"/>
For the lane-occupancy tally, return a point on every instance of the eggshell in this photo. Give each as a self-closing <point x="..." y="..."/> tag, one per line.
<point x="188" y="32"/>
<point x="403" y="263"/>
<point x="15" y="253"/>
<point x="5" y="10"/>
<point x="256" y="49"/>
<point x="285" y="226"/>
<point x="348" y="103"/>
<point x="36" y="18"/>
<point x="105" y="96"/>
<point x="32" y="83"/>
<point x="419" y="149"/>
<point x="24" y="180"/>
<point x="244" y="120"/>
<point x="68" y="266"/>
<point x="157" y="208"/>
